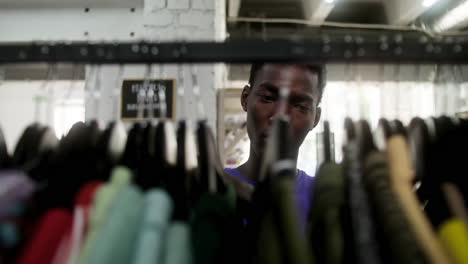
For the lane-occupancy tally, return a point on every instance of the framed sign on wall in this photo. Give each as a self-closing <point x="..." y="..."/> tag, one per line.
<point x="139" y="97"/>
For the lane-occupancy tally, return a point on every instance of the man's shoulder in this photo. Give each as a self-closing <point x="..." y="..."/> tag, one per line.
<point x="304" y="178"/>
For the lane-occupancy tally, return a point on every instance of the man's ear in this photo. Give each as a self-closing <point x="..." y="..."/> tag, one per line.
<point x="318" y="114"/>
<point x="244" y="97"/>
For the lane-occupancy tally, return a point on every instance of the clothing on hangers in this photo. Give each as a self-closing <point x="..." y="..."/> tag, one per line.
<point x="366" y="247"/>
<point x="455" y="202"/>
<point x="152" y="235"/>
<point x="100" y="209"/>
<point x="178" y="248"/>
<point x="16" y="189"/>
<point x="303" y="187"/>
<point x="396" y="236"/>
<point x="324" y="228"/>
<point x="280" y="237"/>
<point x="214" y="228"/>
<point x="115" y="240"/>
<point x="454" y="235"/>
<point x="71" y="242"/>
<point x="401" y="178"/>
<point x="43" y="244"/>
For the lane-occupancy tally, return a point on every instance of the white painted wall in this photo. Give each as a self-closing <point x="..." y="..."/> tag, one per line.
<point x="57" y="104"/>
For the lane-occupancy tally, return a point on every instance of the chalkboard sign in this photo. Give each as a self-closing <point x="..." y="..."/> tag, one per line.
<point x="139" y="97"/>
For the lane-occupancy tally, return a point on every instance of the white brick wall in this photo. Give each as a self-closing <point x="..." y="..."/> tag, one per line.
<point x="203" y="4"/>
<point x="151" y="5"/>
<point x="178" y="4"/>
<point x="162" y="17"/>
<point x="196" y="18"/>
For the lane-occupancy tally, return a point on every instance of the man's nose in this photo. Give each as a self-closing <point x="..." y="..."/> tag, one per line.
<point x="277" y="112"/>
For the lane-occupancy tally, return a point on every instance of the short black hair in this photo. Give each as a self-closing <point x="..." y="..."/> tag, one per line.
<point x="317" y="68"/>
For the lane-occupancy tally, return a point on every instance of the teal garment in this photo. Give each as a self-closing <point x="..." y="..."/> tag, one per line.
<point x="178" y="244"/>
<point x="213" y="228"/>
<point x="152" y="236"/>
<point x="103" y="199"/>
<point x="116" y="239"/>
<point x="324" y="227"/>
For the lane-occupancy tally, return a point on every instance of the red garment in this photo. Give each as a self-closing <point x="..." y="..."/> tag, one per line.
<point x="42" y="245"/>
<point x="85" y="196"/>
<point x="71" y="241"/>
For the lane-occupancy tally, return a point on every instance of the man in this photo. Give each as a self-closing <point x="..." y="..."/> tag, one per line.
<point x="260" y="99"/>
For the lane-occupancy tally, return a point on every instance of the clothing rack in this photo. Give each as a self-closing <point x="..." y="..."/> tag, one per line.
<point x="378" y="46"/>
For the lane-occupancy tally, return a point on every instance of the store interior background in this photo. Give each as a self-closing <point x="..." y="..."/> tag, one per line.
<point x="60" y="95"/>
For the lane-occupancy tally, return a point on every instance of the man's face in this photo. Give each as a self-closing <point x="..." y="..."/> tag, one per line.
<point x="262" y="100"/>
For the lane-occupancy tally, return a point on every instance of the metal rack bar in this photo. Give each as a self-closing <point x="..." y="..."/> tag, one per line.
<point x="394" y="47"/>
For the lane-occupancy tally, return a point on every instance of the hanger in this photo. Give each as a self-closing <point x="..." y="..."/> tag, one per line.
<point x="350" y="132"/>
<point x="168" y="132"/>
<point x="210" y="168"/>
<point x="418" y="141"/>
<point x="5" y="160"/>
<point x="68" y="169"/>
<point x="443" y="165"/>
<point x="382" y="133"/>
<point x="145" y="170"/>
<point x="327" y="146"/>
<point x="131" y="154"/>
<point x="398" y="127"/>
<point x="364" y="138"/>
<point x="24" y="150"/>
<point x="118" y="133"/>
<point x="112" y="141"/>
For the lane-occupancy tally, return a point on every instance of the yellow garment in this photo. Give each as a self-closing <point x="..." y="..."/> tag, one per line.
<point x="454" y="236"/>
<point x="401" y="176"/>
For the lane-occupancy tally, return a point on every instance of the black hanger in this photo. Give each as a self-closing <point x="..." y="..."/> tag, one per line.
<point x="26" y="147"/>
<point x="443" y="166"/>
<point x="148" y="170"/>
<point x="460" y="157"/>
<point x="364" y="138"/>
<point x="398" y="127"/>
<point x="36" y="166"/>
<point x="418" y="141"/>
<point x="131" y="155"/>
<point x="73" y="164"/>
<point x="178" y="184"/>
<point x="160" y="163"/>
<point x="5" y="159"/>
<point x="210" y="169"/>
<point x="383" y="133"/>
<point x="349" y="129"/>
<point x="327" y="145"/>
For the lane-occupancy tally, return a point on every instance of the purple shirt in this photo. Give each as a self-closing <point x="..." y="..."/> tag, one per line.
<point x="302" y="195"/>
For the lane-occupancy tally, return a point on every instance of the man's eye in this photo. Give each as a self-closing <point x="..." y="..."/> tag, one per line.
<point x="303" y="108"/>
<point x="267" y="98"/>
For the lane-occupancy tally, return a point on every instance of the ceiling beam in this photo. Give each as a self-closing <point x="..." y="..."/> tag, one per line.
<point x="233" y="8"/>
<point x="316" y="11"/>
<point x="403" y="12"/>
<point x="455" y="18"/>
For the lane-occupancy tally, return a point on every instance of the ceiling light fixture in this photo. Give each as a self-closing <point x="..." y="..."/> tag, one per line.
<point x="428" y="3"/>
<point x="329" y="1"/>
<point x="453" y="19"/>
